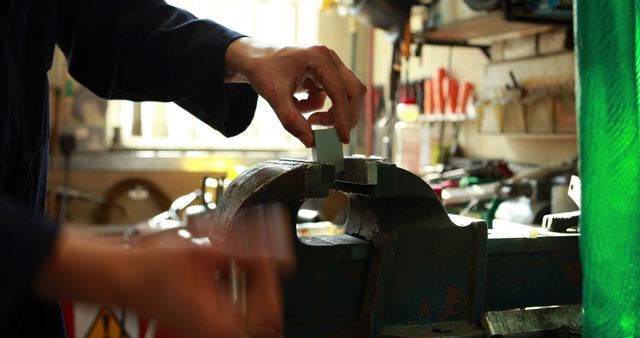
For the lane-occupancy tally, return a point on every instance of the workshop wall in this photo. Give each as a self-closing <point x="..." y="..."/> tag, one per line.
<point x="333" y="31"/>
<point x="556" y="69"/>
<point x="546" y="65"/>
<point x="125" y="207"/>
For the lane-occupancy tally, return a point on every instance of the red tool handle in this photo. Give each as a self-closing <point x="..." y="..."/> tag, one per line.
<point x="429" y="104"/>
<point x="467" y="91"/>
<point x="452" y="97"/>
<point x="441" y="75"/>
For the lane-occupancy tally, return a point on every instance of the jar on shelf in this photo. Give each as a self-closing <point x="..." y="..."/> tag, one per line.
<point x="411" y="137"/>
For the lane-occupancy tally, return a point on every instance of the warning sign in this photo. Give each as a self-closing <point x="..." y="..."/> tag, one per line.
<point x="106" y="325"/>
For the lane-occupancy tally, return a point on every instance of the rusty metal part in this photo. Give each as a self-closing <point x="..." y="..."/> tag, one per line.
<point x="447" y="329"/>
<point x="522" y="321"/>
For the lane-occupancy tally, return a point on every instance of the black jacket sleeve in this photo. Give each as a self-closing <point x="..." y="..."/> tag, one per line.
<point x="26" y="240"/>
<point x="147" y="50"/>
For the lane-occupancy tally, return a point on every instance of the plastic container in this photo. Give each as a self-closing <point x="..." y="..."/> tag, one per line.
<point x="411" y="137"/>
<point x="407" y="109"/>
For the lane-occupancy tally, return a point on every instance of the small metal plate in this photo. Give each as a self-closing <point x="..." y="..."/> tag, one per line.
<point x="328" y="148"/>
<point x="575" y="190"/>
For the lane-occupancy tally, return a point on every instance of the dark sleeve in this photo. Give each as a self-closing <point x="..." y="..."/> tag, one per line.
<point x="147" y="50"/>
<point x="24" y="245"/>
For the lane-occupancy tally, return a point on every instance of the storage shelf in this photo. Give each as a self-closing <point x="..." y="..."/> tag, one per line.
<point x="481" y="31"/>
<point x="457" y="117"/>
<point x="534" y="136"/>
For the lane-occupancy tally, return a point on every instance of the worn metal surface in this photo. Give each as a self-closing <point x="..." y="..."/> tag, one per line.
<point x="512" y="322"/>
<point x="274" y="181"/>
<point x="446" y="329"/>
<point x="561" y="221"/>
<point x="360" y="171"/>
<point x="401" y="261"/>
<point x="523" y="272"/>
<point x="403" y="267"/>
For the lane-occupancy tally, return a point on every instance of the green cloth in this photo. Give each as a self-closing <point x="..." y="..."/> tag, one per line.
<point x="608" y="51"/>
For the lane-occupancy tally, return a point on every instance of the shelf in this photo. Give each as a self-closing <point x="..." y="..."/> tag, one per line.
<point x="457" y="117"/>
<point x="534" y="136"/>
<point x="481" y="31"/>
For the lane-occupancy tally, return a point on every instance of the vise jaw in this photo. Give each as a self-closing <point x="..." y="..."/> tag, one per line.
<point x="401" y="267"/>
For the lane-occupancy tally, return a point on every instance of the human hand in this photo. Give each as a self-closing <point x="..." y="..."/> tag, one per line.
<point x="182" y="285"/>
<point x="278" y="73"/>
<point x="188" y="291"/>
<point x="258" y="236"/>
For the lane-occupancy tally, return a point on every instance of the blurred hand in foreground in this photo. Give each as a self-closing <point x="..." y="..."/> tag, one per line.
<point x="179" y="281"/>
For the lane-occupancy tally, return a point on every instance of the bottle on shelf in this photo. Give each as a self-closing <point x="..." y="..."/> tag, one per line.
<point x="412" y="138"/>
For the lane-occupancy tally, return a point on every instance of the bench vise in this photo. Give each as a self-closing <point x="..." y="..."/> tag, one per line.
<point x="403" y="267"/>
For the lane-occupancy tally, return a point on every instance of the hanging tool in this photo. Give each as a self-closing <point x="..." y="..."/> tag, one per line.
<point x="428" y="102"/>
<point x="441" y="78"/>
<point x="452" y="95"/>
<point x="386" y="124"/>
<point x="460" y="109"/>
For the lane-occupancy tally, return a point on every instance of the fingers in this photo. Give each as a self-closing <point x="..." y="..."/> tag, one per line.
<point x="314" y="101"/>
<point x="277" y="74"/>
<point x="261" y="310"/>
<point x="342" y="85"/>
<point x="355" y="91"/>
<point x="323" y="118"/>
<point x="192" y="291"/>
<point x="264" y="299"/>
<point x="325" y="71"/>
<point x="264" y="231"/>
<point x="293" y="121"/>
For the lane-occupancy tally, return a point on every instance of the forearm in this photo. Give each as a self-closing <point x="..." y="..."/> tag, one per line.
<point x="241" y="57"/>
<point x="173" y="281"/>
<point x="141" y="50"/>
<point x="150" y="51"/>
<point x="85" y="268"/>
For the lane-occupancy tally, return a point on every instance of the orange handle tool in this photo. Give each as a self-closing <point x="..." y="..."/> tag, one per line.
<point x="467" y="91"/>
<point x="452" y="95"/>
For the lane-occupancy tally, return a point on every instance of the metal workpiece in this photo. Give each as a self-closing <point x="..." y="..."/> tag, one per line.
<point x="328" y="148"/>
<point x="403" y="267"/>
<point x="575" y="190"/>
<point x="363" y="171"/>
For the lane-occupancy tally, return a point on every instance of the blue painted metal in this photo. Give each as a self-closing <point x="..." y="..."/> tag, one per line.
<point x="404" y="268"/>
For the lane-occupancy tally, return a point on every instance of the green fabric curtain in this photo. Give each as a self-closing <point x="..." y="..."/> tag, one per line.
<point x="608" y="51"/>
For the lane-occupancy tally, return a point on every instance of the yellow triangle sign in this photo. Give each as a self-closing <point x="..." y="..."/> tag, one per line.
<point x="106" y="325"/>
